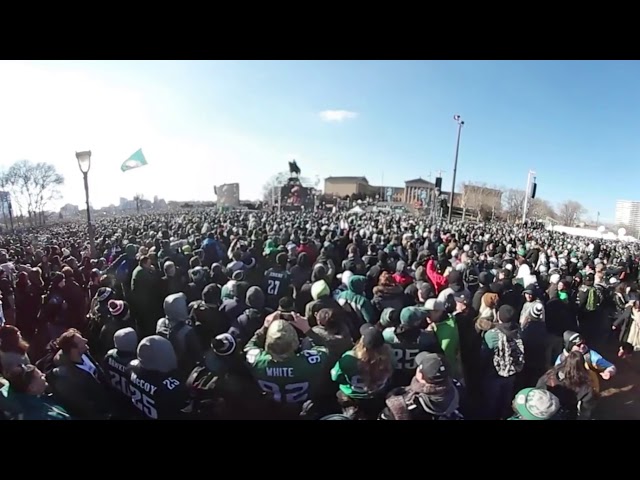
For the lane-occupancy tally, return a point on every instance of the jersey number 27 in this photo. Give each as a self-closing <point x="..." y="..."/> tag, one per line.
<point x="273" y="287"/>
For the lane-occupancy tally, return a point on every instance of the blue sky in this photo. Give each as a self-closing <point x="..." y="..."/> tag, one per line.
<point x="202" y="123"/>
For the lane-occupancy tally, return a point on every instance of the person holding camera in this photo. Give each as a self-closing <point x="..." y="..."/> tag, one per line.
<point x="289" y="376"/>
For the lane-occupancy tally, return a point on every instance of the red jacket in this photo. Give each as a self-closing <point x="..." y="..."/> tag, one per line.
<point x="403" y="279"/>
<point x="438" y="280"/>
<point x="309" y="250"/>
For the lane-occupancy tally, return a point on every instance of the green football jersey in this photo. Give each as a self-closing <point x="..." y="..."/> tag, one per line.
<point x="293" y="381"/>
<point x="346" y="374"/>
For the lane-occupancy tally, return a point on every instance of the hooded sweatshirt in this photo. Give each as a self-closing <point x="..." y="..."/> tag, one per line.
<point x="424" y="401"/>
<point x="172" y="281"/>
<point x="243" y="328"/>
<point x="456" y="287"/>
<point x="321" y="295"/>
<point x="301" y="272"/>
<point x="438" y="280"/>
<point x="206" y="318"/>
<point x="116" y="361"/>
<point x="401" y="276"/>
<point x="303" y="296"/>
<point x="182" y="336"/>
<point x="356" y="299"/>
<point x="157" y="391"/>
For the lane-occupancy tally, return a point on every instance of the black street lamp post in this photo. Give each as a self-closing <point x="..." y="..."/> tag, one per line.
<point x="84" y="163"/>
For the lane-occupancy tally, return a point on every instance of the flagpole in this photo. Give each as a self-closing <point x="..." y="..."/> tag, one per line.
<point x="279" y="200"/>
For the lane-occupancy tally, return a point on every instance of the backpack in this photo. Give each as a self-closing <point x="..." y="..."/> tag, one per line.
<point x="593" y="300"/>
<point x="509" y="358"/>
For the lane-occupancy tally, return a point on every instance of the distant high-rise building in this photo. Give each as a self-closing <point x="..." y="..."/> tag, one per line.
<point x="628" y="215"/>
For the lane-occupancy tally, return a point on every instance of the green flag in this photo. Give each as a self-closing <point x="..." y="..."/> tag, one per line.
<point x="134" y="161"/>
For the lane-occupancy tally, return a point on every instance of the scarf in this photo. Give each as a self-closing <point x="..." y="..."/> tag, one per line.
<point x="88" y="366"/>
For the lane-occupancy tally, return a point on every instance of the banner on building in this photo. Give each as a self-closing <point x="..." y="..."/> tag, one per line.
<point x="228" y="195"/>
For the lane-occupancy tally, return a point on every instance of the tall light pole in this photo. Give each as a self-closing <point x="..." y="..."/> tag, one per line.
<point x="460" y="123"/>
<point x="84" y="163"/>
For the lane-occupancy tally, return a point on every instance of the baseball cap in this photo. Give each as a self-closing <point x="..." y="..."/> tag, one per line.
<point x="432" y="366"/>
<point x="413" y="316"/>
<point x="461" y="298"/>
<point x="434" y="305"/>
<point x="371" y="337"/>
<point x="536" y="404"/>
<point x="389" y="317"/>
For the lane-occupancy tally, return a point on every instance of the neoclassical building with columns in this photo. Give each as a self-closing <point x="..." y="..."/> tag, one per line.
<point x="411" y="193"/>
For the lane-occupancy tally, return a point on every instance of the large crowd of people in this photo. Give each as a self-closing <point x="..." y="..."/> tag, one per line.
<point x="201" y="314"/>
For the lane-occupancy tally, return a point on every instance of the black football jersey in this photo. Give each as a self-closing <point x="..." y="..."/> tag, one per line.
<point x="156" y="395"/>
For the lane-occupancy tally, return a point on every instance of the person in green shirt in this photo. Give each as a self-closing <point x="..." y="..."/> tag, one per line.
<point x="287" y="374"/>
<point x="445" y="327"/>
<point x="24" y="397"/>
<point x="356" y="299"/>
<point x="363" y="373"/>
<point x="535" y="404"/>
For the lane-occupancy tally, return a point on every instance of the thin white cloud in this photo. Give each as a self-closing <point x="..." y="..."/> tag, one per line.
<point x="337" y="116"/>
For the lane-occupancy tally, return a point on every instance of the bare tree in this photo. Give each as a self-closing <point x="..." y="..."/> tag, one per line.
<point x="541" y="209"/>
<point x="32" y="187"/>
<point x="46" y="181"/>
<point x="13" y="180"/>
<point x="481" y="198"/>
<point x="569" y="212"/>
<point x="513" y="204"/>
